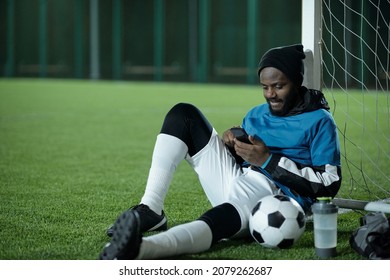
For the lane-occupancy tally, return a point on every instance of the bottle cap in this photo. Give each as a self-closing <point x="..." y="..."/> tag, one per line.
<point x="324" y="206"/>
<point x="324" y="199"/>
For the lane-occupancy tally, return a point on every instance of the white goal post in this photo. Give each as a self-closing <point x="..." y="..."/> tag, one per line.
<point x="311" y="40"/>
<point x="358" y="43"/>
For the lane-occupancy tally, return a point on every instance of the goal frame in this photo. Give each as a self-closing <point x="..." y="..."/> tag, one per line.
<point x="311" y="38"/>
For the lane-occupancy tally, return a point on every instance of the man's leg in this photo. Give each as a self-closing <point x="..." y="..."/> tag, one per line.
<point x="168" y="152"/>
<point x="223" y="221"/>
<point x="219" y="222"/>
<point x="185" y="131"/>
<point x="226" y="220"/>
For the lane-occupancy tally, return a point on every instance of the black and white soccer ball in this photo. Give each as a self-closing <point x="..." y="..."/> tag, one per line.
<point x="277" y="221"/>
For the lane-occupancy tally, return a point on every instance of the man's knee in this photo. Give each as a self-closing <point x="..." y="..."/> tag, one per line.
<point x="186" y="122"/>
<point x="181" y="112"/>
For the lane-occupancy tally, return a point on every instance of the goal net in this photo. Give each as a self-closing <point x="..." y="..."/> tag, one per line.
<point x="351" y="44"/>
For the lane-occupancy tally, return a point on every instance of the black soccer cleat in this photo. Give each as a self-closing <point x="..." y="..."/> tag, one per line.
<point x="126" y="238"/>
<point x="150" y="221"/>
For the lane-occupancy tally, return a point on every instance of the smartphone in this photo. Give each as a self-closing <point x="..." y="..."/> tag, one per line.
<point x="240" y="134"/>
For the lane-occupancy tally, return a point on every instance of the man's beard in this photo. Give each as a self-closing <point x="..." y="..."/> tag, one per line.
<point x="289" y="102"/>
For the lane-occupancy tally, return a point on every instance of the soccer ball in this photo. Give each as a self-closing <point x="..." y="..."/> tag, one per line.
<point x="277" y="221"/>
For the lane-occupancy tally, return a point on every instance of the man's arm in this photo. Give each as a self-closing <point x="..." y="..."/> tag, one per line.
<point x="311" y="181"/>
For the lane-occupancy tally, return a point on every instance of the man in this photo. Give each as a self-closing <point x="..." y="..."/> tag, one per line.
<point x="293" y="149"/>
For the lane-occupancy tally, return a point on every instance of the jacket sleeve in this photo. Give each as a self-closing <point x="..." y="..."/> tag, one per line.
<point x="311" y="181"/>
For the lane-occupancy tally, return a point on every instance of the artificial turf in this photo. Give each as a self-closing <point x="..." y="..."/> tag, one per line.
<point x="75" y="154"/>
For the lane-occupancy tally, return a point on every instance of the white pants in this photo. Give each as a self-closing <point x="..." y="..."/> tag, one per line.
<point x="223" y="180"/>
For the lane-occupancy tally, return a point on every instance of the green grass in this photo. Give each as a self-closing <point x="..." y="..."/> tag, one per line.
<point x="75" y="154"/>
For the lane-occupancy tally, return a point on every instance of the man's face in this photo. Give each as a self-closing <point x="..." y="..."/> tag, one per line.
<point x="279" y="92"/>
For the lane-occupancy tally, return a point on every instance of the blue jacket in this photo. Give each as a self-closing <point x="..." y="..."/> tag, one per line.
<point x="305" y="149"/>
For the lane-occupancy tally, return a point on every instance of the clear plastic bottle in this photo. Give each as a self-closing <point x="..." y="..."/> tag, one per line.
<point x="325" y="227"/>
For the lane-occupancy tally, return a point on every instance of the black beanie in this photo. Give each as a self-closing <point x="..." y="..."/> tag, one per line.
<point x="287" y="59"/>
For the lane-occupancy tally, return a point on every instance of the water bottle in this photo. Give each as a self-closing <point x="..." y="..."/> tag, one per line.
<point x="325" y="227"/>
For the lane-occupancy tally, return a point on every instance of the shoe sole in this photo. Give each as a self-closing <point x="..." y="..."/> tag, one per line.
<point x="126" y="232"/>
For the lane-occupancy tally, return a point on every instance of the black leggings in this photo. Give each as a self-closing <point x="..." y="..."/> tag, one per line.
<point x="187" y="123"/>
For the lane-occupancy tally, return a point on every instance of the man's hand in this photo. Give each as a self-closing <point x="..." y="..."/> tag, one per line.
<point x="228" y="138"/>
<point x="256" y="153"/>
